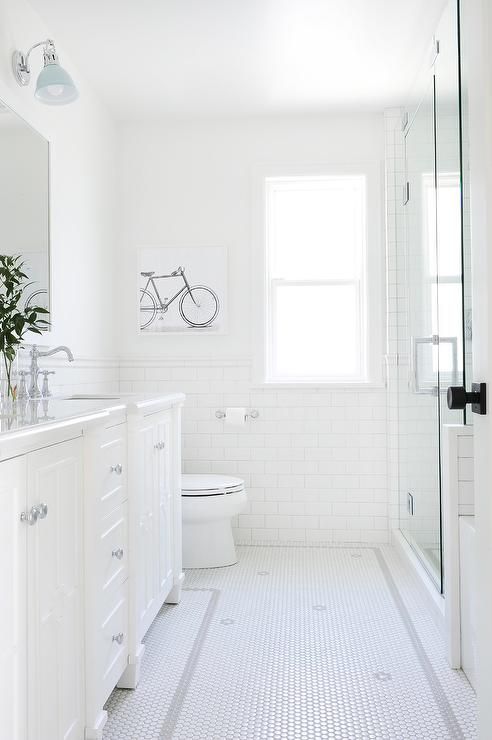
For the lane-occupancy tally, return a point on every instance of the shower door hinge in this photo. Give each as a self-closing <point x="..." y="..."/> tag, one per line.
<point x="435" y="51"/>
<point x="435" y="339"/>
<point x="406" y="193"/>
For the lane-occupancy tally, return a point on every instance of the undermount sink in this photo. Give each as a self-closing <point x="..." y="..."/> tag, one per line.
<point x="91" y="397"/>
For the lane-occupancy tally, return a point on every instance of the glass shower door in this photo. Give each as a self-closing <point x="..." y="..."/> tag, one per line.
<point x="433" y="332"/>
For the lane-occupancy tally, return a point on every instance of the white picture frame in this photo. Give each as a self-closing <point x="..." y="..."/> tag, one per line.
<point x="182" y="290"/>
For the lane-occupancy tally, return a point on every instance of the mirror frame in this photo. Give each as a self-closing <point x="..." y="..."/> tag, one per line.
<point x="48" y="333"/>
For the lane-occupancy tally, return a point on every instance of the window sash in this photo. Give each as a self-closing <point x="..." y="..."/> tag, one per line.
<point x="272" y="371"/>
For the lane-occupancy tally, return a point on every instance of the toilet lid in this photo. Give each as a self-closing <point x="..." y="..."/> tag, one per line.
<point x="209" y="485"/>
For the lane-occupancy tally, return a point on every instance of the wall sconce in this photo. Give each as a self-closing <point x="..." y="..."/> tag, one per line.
<point x="54" y="85"/>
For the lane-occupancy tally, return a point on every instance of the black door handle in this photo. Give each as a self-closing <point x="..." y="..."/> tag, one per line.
<point x="459" y="397"/>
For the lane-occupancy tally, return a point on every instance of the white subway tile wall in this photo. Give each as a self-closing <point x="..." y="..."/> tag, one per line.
<point x="80" y="376"/>
<point x="314" y="461"/>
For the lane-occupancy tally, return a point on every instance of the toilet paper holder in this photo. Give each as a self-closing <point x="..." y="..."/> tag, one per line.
<point x="253" y="414"/>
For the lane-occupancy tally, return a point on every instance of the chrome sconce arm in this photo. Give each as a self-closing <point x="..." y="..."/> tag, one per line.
<point x="20" y="61"/>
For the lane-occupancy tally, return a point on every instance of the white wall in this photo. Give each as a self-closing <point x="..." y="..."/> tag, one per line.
<point x="315" y="459"/>
<point x="82" y="187"/>
<point x="191" y="184"/>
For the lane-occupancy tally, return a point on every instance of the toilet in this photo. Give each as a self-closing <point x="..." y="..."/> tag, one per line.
<point x="209" y="502"/>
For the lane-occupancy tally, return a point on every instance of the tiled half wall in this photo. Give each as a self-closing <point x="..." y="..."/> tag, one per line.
<point x="314" y="461"/>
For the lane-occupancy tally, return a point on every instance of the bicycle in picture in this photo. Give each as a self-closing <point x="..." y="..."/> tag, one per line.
<point x="198" y="304"/>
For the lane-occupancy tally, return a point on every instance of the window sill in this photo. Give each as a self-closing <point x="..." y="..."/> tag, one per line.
<point x="356" y="385"/>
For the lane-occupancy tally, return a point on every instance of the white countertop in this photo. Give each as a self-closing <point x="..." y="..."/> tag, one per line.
<point x="34" y="416"/>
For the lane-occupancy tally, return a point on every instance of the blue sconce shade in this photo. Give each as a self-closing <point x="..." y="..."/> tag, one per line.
<point x="55" y="86"/>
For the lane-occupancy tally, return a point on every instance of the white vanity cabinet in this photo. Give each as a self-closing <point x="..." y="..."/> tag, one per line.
<point x="90" y="548"/>
<point x="42" y="621"/>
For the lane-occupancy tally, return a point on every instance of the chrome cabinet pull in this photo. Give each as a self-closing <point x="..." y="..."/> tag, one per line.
<point x="118" y="638"/>
<point x="118" y="469"/>
<point x="118" y="554"/>
<point x="160" y="445"/>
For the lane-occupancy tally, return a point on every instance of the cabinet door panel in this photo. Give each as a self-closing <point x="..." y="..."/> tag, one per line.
<point x="146" y="582"/>
<point x="165" y="529"/>
<point x="55" y="636"/>
<point x="111" y="485"/>
<point x="113" y="653"/>
<point x="13" y="625"/>
<point x="112" y="570"/>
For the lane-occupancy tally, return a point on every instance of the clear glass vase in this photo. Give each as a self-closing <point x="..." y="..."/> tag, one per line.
<point x="9" y="379"/>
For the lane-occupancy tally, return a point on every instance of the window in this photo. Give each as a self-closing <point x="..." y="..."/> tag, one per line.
<point x="316" y="284"/>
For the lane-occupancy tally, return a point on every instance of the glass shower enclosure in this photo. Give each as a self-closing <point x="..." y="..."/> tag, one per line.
<point x="432" y="334"/>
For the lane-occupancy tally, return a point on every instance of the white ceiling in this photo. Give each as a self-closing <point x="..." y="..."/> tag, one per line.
<point x="231" y="57"/>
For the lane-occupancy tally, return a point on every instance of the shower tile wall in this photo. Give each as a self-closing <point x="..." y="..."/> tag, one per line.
<point x="314" y="461"/>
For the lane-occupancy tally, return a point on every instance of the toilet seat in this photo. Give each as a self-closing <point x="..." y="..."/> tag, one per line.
<point x="196" y="485"/>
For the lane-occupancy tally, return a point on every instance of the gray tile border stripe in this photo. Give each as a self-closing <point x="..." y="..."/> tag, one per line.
<point x="442" y="702"/>
<point x="176" y="704"/>
<point x="445" y="708"/>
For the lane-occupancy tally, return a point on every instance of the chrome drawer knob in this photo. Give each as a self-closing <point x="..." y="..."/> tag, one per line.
<point x="118" y="638"/>
<point x="39" y="511"/>
<point x="118" y="469"/>
<point x="118" y="554"/>
<point x="43" y="510"/>
<point x="30" y="517"/>
<point x="160" y="445"/>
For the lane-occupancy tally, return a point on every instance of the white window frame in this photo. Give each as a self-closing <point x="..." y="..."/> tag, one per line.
<point x="372" y="292"/>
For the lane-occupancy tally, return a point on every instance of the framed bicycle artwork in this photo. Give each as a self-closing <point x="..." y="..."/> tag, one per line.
<point x="182" y="290"/>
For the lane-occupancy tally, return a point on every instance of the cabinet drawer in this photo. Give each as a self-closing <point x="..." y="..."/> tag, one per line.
<point x="112" y="558"/>
<point x="110" y="471"/>
<point x="112" y="640"/>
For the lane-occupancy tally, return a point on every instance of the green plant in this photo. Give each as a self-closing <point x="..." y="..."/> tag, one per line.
<point x="15" y="319"/>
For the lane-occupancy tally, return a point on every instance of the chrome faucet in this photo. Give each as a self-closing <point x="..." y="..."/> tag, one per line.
<point x="35" y="354"/>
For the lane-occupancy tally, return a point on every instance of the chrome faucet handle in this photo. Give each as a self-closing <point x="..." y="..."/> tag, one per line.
<point x="45" y="390"/>
<point x="34" y="391"/>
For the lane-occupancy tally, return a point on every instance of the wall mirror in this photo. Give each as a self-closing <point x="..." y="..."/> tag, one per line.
<point x="25" y="202"/>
